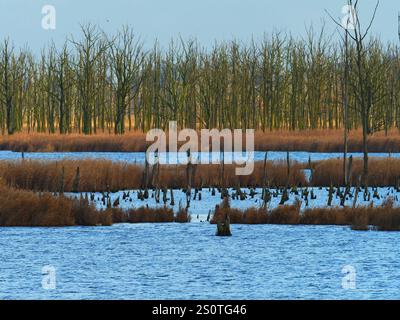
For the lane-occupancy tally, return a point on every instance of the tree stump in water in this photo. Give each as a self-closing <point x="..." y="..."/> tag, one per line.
<point x="224" y="227"/>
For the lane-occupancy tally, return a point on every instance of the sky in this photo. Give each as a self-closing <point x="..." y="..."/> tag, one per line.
<point x="206" y="20"/>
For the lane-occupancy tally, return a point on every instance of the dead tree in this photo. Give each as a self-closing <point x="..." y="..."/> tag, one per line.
<point x="126" y="60"/>
<point x="362" y="83"/>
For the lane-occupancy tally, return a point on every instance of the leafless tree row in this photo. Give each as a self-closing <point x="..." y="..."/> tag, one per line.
<point x="97" y="83"/>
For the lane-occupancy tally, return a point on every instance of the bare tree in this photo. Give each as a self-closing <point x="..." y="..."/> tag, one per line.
<point x="126" y="60"/>
<point x="59" y="67"/>
<point x="362" y="83"/>
<point x="12" y="69"/>
<point x="90" y="50"/>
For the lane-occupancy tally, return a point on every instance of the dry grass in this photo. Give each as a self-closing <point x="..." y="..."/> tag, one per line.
<point x="247" y="216"/>
<point x="103" y="175"/>
<point x="182" y="216"/>
<point x="42" y="142"/>
<point x="383" y="218"/>
<point x="328" y="216"/>
<point x="287" y="214"/>
<point x="94" y="175"/>
<point x="382" y="172"/>
<point x="149" y="215"/>
<point x="145" y="214"/>
<point x="280" y="140"/>
<point x="25" y="208"/>
<point x="325" y="141"/>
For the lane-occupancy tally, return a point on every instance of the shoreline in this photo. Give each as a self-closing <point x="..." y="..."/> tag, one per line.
<point x="328" y="140"/>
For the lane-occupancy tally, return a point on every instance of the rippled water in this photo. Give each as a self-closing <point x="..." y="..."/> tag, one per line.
<point x="139" y="157"/>
<point x="175" y="261"/>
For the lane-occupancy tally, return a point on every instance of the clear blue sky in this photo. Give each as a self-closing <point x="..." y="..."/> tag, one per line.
<point x="207" y="20"/>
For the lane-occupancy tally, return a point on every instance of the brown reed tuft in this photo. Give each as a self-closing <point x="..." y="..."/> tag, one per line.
<point x="143" y="215"/>
<point x="146" y="214"/>
<point x="383" y="218"/>
<point x="285" y="214"/>
<point x="183" y="215"/>
<point x="25" y="208"/>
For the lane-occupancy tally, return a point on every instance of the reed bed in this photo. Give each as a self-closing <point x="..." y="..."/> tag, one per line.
<point x="382" y="172"/>
<point x="285" y="214"/>
<point x="248" y="216"/>
<point x="25" y="208"/>
<point x="149" y="215"/>
<point x="383" y="218"/>
<point x="143" y="215"/>
<point x="327" y="140"/>
<point x="42" y="142"/>
<point x="59" y="176"/>
<point x="92" y="175"/>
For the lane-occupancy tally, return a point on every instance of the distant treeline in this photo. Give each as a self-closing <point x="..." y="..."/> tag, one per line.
<point x="111" y="83"/>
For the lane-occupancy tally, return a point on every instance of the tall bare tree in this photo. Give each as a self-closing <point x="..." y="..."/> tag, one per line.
<point x="126" y="62"/>
<point x="90" y="50"/>
<point x="362" y="83"/>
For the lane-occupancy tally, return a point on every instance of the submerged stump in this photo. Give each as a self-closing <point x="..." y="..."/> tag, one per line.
<point x="224" y="227"/>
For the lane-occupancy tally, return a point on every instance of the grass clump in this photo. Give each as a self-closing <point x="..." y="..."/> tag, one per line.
<point x="381" y="172"/>
<point x="26" y="208"/>
<point x="383" y="218"/>
<point x="146" y="214"/>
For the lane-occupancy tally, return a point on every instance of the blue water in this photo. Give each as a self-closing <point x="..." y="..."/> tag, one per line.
<point x="139" y="157"/>
<point x="187" y="261"/>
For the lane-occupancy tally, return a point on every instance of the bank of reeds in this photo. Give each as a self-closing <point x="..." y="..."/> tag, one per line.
<point x="42" y="142"/>
<point x="143" y="215"/>
<point x="29" y="209"/>
<point x="248" y="216"/>
<point x="92" y="175"/>
<point x="26" y="208"/>
<point x="327" y="140"/>
<point x="285" y="214"/>
<point x="383" y="218"/>
<point x="149" y="215"/>
<point x="382" y="172"/>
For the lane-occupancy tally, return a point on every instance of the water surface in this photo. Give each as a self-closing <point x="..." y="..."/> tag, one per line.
<point x="175" y="261"/>
<point x="139" y="157"/>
